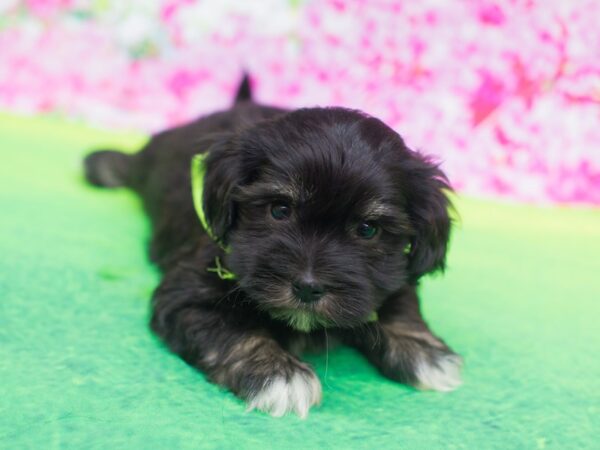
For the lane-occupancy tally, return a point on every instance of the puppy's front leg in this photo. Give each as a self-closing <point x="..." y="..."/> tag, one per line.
<point x="403" y="348"/>
<point x="192" y="315"/>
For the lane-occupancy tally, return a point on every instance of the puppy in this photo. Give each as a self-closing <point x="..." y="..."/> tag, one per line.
<point x="307" y="225"/>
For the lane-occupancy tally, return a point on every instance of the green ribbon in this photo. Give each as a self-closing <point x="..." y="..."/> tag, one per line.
<point x="198" y="171"/>
<point x="373" y="317"/>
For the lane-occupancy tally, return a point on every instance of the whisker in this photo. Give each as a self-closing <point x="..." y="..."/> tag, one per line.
<point x="326" y="358"/>
<point x="235" y="289"/>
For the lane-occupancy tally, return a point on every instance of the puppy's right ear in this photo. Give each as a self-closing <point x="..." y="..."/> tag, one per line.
<point x="220" y="180"/>
<point x="428" y="207"/>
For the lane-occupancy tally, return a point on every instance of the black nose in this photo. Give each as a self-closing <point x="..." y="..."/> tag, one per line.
<point x="308" y="290"/>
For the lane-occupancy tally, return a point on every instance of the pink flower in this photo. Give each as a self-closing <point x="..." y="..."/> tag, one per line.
<point x="504" y="94"/>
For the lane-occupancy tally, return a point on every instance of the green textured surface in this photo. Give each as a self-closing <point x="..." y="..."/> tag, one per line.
<point x="79" y="368"/>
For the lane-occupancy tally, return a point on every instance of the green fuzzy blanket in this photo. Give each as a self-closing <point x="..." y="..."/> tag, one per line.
<point x="79" y="368"/>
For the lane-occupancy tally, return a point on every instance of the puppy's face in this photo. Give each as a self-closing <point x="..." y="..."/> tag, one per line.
<point x="326" y="213"/>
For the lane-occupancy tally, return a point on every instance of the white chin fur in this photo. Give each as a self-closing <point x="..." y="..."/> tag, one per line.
<point x="304" y="321"/>
<point x="443" y="376"/>
<point x="279" y="396"/>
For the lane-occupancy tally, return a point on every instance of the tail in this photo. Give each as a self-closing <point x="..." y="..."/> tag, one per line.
<point x="244" y="91"/>
<point x="108" y="168"/>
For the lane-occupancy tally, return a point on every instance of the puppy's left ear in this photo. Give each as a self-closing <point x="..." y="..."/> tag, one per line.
<point x="427" y="206"/>
<point x="220" y="180"/>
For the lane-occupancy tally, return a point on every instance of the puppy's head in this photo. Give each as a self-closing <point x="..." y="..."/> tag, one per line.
<point x="327" y="213"/>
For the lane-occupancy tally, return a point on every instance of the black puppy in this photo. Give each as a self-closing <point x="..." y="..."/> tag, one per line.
<point x="318" y="225"/>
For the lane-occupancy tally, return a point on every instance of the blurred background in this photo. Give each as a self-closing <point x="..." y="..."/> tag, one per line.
<point x="505" y="93"/>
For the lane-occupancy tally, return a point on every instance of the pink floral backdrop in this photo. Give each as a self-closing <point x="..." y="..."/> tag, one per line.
<point x="505" y="93"/>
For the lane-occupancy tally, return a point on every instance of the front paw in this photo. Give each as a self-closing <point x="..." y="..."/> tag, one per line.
<point x="439" y="372"/>
<point x="280" y="394"/>
<point x="423" y="361"/>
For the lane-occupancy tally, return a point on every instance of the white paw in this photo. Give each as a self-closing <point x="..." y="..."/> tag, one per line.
<point x="280" y="396"/>
<point x="443" y="376"/>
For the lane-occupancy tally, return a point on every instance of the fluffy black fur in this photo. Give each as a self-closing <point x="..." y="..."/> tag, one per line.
<point x="332" y="170"/>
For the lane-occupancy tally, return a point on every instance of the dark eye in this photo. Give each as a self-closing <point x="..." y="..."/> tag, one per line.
<point x="280" y="211"/>
<point x="367" y="230"/>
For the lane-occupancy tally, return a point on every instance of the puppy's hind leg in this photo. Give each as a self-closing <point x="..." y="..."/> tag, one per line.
<point x="403" y="348"/>
<point x="108" y="168"/>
